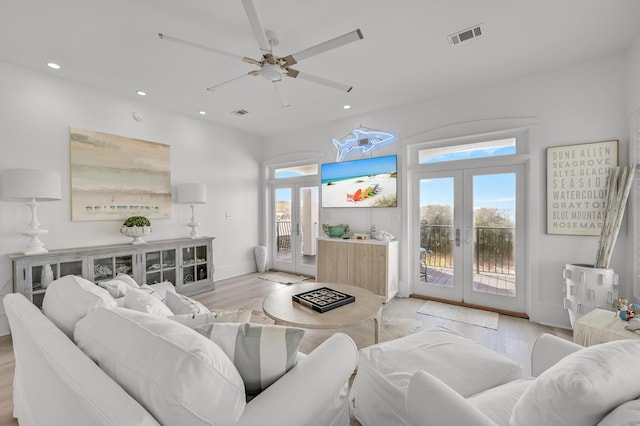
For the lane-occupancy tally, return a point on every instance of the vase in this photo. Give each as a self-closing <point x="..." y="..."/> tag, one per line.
<point x="46" y="276"/>
<point x="588" y="288"/>
<point x="136" y="232"/>
<point x="260" y="253"/>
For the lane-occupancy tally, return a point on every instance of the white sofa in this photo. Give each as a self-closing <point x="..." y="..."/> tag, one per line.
<point x="438" y="377"/>
<point x="55" y="382"/>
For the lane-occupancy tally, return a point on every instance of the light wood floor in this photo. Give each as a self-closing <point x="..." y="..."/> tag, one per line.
<point x="513" y="338"/>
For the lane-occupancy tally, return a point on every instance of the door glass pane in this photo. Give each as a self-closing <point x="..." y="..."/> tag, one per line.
<point x="188" y="265"/>
<point x="494" y="221"/>
<point x="103" y="268"/>
<point x="308" y="224"/>
<point x="436" y="231"/>
<point x="283" y="224"/>
<point x="169" y="259"/>
<point x="70" y="268"/>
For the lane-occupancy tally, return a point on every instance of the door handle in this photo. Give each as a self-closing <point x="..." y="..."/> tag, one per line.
<point x="457" y="237"/>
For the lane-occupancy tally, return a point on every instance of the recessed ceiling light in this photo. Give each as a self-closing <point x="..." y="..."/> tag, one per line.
<point x="202" y="112"/>
<point x="141" y="93"/>
<point x="347" y="107"/>
<point x="53" y="65"/>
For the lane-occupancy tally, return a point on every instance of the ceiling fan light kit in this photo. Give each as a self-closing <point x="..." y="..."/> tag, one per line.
<point x="273" y="67"/>
<point x="271" y="72"/>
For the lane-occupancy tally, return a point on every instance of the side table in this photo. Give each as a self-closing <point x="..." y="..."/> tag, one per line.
<point x="599" y="326"/>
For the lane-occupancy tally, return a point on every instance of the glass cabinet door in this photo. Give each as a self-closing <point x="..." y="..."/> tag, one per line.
<point x="42" y="275"/>
<point x="107" y="268"/>
<point x="194" y="264"/>
<point x="160" y="266"/>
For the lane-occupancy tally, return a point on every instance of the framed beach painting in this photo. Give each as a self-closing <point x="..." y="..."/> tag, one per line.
<point x="114" y="177"/>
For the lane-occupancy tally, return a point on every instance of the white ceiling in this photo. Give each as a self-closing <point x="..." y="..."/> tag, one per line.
<point x="404" y="56"/>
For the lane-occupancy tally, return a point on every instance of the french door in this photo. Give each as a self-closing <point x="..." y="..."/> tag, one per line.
<point x="294" y="228"/>
<point x="471" y="236"/>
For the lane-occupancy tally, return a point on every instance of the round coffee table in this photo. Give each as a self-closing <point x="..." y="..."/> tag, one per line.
<point x="280" y="307"/>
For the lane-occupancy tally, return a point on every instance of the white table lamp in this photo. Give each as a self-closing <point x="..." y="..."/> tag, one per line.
<point x="32" y="186"/>
<point x="192" y="194"/>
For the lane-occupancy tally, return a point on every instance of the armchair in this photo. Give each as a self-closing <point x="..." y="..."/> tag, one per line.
<point x="572" y="385"/>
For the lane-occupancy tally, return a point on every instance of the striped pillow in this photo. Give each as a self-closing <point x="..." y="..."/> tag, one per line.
<point x="261" y="353"/>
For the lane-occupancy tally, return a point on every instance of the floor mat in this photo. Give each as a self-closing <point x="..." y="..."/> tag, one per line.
<point x="471" y="316"/>
<point x="283" y="277"/>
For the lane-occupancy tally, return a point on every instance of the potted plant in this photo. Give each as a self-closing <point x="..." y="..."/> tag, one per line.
<point x="136" y="227"/>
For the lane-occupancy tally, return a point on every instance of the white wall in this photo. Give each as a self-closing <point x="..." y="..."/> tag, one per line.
<point x="36" y="111"/>
<point x="578" y="104"/>
<point x="633" y="76"/>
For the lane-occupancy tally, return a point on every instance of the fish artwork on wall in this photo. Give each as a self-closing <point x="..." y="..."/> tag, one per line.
<point x="365" y="140"/>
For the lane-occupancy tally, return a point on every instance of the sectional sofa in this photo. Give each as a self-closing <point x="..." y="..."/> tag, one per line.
<point x="88" y="359"/>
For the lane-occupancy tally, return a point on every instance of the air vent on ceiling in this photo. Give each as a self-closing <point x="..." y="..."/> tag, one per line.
<point x="466" y="34"/>
<point x="240" y="112"/>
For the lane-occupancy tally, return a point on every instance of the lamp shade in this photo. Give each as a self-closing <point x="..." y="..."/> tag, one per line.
<point x="30" y="184"/>
<point x="192" y="193"/>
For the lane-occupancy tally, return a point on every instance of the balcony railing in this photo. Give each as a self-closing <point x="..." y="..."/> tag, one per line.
<point x="493" y="248"/>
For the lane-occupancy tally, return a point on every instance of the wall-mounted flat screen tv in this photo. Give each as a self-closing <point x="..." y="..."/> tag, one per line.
<point x="369" y="182"/>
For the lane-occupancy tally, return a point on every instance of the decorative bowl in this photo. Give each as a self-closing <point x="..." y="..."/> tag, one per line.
<point x="136" y="232"/>
<point x="335" y="231"/>
<point x="383" y="236"/>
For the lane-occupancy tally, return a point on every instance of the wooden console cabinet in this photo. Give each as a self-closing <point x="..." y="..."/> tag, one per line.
<point x="187" y="263"/>
<point x="369" y="264"/>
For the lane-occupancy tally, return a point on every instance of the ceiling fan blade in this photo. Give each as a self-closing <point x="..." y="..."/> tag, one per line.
<point x="162" y="36"/>
<point x="251" y="61"/>
<point x="256" y="25"/>
<point x="278" y="86"/>
<point x="320" y="80"/>
<point x="212" y="88"/>
<point x="349" y="37"/>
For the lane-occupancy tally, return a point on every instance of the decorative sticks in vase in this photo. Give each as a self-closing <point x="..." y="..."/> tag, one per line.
<point x="619" y="183"/>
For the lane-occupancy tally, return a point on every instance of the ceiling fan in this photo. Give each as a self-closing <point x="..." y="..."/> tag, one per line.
<point x="272" y="67"/>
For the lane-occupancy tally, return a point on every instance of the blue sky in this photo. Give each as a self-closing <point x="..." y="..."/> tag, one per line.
<point x="468" y="154"/>
<point x="490" y="191"/>
<point x="365" y="167"/>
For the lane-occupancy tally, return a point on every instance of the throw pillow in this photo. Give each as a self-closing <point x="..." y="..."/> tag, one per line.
<point x="158" y="290"/>
<point x="179" y="376"/>
<point x="116" y="287"/>
<point x="126" y="278"/>
<point x="195" y="320"/>
<point x="627" y="414"/>
<point x="261" y="353"/>
<point x="181" y="304"/>
<point x="582" y="387"/>
<point x="70" y="298"/>
<point x="139" y="300"/>
<point x="430" y="401"/>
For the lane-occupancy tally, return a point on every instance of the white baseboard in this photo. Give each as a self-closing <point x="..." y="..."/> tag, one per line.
<point x="235" y="270"/>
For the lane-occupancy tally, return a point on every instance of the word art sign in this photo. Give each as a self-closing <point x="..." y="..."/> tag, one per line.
<point x="577" y="187"/>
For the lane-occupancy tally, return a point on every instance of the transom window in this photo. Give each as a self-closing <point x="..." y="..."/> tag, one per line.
<point x="295" y="171"/>
<point x="468" y="151"/>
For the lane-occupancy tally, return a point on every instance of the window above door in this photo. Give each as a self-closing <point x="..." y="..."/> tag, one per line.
<point x="493" y="148"/>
